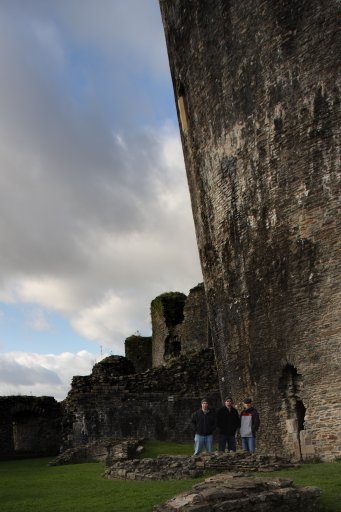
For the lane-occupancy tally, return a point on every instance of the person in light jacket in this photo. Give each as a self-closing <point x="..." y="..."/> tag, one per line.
<point x="249" y="425"/>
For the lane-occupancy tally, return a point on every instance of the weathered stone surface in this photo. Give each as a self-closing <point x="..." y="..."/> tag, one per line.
<point x="167" y="314"/>
<point x="180" y="324"/>
<point x="257" y="87"/>
<point x="105" y="450"/>
<point x="138" y="349"/>
<point x="194" y="331"/>
<point x="230" y="493"/>
<point x="112" y="366"/>
<point x="156" y="404"/>
<point x="178" y="467"/>
<point x="29" y="426"/>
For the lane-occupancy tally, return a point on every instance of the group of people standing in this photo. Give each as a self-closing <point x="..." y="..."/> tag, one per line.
<point x="228" y="421"/>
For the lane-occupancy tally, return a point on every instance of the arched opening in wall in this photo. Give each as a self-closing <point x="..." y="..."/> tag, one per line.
<point x="26" y="433"/>
<point x="300" y="412"/>
<point x="172" y="347"/>
<point x="293" y="409"/>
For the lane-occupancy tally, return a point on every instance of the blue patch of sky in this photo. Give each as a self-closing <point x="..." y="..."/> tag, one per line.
<point x="127" y="95"/>
<point x="17" y="334"/>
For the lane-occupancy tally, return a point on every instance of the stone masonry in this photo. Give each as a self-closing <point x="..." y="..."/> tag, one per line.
<point x="138" y="349"/>
<point x="29" y="426"/>
<point x="178" y="467"/>
<point x="156" y="404"/>
<point x="180" y="324"/>
<point x="227" y="492"/>
<point x="104" y="450"/>
<point x="194" y="331"/>
<point x="257" y="89"/>
<point x="167" y="312"/>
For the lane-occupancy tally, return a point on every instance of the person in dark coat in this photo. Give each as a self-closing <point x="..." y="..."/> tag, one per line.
<point x="204" y="422"/>
<point x="228" y="422"/>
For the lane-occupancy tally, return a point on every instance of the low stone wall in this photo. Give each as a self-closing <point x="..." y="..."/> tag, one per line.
<point x="178" y="467"/>
<point x="106" y="450"/>
<point x="228" y="493"/>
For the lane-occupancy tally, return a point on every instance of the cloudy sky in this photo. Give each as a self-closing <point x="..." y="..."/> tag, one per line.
<point x="95" y="217"/>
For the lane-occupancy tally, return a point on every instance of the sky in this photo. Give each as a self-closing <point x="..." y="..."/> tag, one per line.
<point x="95" y="215"/>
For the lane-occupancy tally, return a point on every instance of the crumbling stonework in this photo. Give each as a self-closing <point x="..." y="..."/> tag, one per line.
<point x="180" y="324"/>
<point x="29" y="426"/>
<point x="257" y="88"/>
<point x="138" y="349"/>
<point x="167" y="314"/>
<point x="231" y="493"/>
<point x="104" y="450"/>
<point x="156" y="404"/>
<point x="194" y="331"/>
<point x="178" y="467"/>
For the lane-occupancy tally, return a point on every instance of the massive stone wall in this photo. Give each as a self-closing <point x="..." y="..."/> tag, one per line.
<point x="194" y="331"/>
<point x="257" y="91"/>
<point x="156" y="404"/>
<point x="138" y="349"/>
<point x="180" y="324"/>
<point x="167" y="314"/>
<point x="29" y="426"/>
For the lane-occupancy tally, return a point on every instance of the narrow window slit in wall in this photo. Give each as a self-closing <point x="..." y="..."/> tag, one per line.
<point x="182" y="108"/>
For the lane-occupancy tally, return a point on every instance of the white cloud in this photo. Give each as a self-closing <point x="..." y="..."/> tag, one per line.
<point x="36" y="374"/>
<point x="106" y="321"/>
<point x="50" y="292"/>
<point x="95" y="217"/>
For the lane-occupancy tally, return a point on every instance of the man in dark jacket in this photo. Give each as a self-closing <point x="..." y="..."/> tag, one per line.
<point x="249" y="424"/>
<point x="228" y="422"/>
<point x="204" y="422"/>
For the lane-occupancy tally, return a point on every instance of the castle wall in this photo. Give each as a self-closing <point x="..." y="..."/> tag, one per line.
<point x="257" y="91"/>
<point x="156" y="404"/>
<point x="180" y="324"/>
<point x="138" y="349"/>
<point x="29" y="426"/>
<point x="167" y="315"/>
<point x="194" y="330"/>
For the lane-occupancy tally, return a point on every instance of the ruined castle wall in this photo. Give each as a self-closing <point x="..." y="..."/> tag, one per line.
<point x="156" y="404"/>
<point x="257" y="91"/>
<point x="194" y="330"/>
<point x="180" y="324"/>
<point x="138" y="349"/>
<point x="167" y="316"/>
<point x="29" y="426"/>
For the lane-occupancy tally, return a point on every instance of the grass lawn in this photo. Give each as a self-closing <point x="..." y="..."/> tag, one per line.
<point x="327" y="476"/>
<point x="32" y="486"/>
<point x="154" y="448"/>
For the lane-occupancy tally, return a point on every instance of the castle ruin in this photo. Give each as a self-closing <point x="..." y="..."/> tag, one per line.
<point x="29" y="426"/>
<point x="257" y="90"/>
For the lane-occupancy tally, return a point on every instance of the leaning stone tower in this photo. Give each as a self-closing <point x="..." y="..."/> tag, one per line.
<point x="257" y="89"/>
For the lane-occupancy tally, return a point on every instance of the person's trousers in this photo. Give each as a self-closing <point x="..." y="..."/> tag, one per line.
<point x="249" y="444"/>
<point x="201" y="442"/>
<point x="224" y="440"/>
